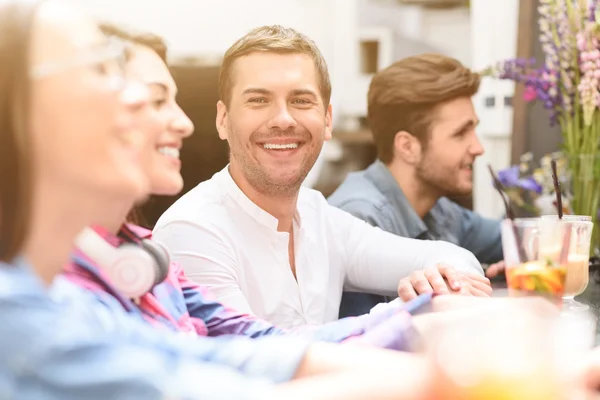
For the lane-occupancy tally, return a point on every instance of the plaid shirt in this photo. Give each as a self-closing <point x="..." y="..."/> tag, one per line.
<point x="184" y="306"/>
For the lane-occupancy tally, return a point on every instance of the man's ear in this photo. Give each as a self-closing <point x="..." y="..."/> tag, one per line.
<point x="407" y="147"/>
<point x="328" y="122"/>
<point x="221" y="120"/>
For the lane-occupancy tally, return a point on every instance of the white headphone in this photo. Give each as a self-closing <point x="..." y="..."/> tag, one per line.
<point x="132" y="269"/>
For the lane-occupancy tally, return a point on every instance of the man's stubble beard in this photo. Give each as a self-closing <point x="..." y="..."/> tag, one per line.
<point x="439" y="184"/>
<point x="259" y="179"/>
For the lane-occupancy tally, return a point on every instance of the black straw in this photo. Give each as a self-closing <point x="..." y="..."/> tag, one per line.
<point x="557" y="190"/>
<point x="509" y="214"/>
<point x="564" y="252"/>
<point x="500" y="188"/>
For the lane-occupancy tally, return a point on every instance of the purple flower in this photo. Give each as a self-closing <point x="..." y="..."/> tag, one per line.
<point x="593" y="5"/>
<point x="510" y="177"/>
<point x="529" y="183"/>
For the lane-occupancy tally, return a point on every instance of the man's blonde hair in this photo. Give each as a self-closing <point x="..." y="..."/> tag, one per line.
<point x="274" y="39"/>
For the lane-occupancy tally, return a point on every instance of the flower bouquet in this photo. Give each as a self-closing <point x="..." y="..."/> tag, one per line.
<point x="567" y="82"/>
<point x="530" y="189"/>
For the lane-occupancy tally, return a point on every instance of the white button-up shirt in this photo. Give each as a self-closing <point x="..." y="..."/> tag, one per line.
<point x="226" y="242"/>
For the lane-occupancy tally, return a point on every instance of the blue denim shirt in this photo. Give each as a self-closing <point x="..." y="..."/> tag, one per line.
<point x="374" y="196"/>
<point x="61" y="343"/>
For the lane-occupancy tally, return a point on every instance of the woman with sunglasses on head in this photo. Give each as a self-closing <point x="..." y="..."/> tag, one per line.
<point x="72" y="130"/>
<point x="176" y="302"/>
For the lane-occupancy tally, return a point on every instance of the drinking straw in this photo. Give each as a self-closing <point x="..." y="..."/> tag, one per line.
<point x="509" y="214"/>
<point x="564" y="251"/>
<point x="557" y="190"/>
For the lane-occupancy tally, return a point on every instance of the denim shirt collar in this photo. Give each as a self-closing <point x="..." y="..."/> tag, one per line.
<point x="384" y="181"/>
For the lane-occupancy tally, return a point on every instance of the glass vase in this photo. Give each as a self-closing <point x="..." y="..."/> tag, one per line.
<point x="584" y="171"/>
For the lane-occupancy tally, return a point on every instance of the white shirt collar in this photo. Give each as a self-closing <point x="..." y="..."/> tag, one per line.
<point x="231" y="189"/>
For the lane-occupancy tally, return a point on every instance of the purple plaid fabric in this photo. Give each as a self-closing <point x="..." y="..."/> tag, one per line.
<point x="182" y="305"/>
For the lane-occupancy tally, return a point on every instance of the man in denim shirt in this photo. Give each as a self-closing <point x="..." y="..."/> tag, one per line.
<point x="423" y="123"/>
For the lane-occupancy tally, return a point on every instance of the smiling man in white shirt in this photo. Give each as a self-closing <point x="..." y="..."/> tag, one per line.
<point x="264" y="244"/>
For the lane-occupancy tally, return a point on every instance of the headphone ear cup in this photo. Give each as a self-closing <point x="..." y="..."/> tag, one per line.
<point x="132" y="271"/>
<point x="161" y="257"/>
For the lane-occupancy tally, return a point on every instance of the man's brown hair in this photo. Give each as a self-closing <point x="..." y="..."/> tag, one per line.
<point x="404" y="97"/>
<point x="274" y="39"/>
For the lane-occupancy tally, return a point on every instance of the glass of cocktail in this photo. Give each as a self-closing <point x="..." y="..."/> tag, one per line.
<point x="507" y="352"/>
<point x="535" y="256"/>
<point x="578" y="258"/>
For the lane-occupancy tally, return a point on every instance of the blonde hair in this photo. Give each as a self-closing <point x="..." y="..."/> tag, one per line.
<point x="404" y="97"/>
<point x="17" y="19"/>
<point x="275" y="39"/>
<point x="147" y="39"/>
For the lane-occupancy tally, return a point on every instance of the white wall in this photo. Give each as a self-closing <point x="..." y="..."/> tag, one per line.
<point x="494" y="38"/>
<point x="450" y="31"/>
<point x="195" y="27"/>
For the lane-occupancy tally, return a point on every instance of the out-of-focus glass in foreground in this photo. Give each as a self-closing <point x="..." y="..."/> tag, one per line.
<point x="509" y="352"/>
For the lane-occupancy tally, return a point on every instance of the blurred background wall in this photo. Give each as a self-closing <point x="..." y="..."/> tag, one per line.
<point x="357" y="38"/>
